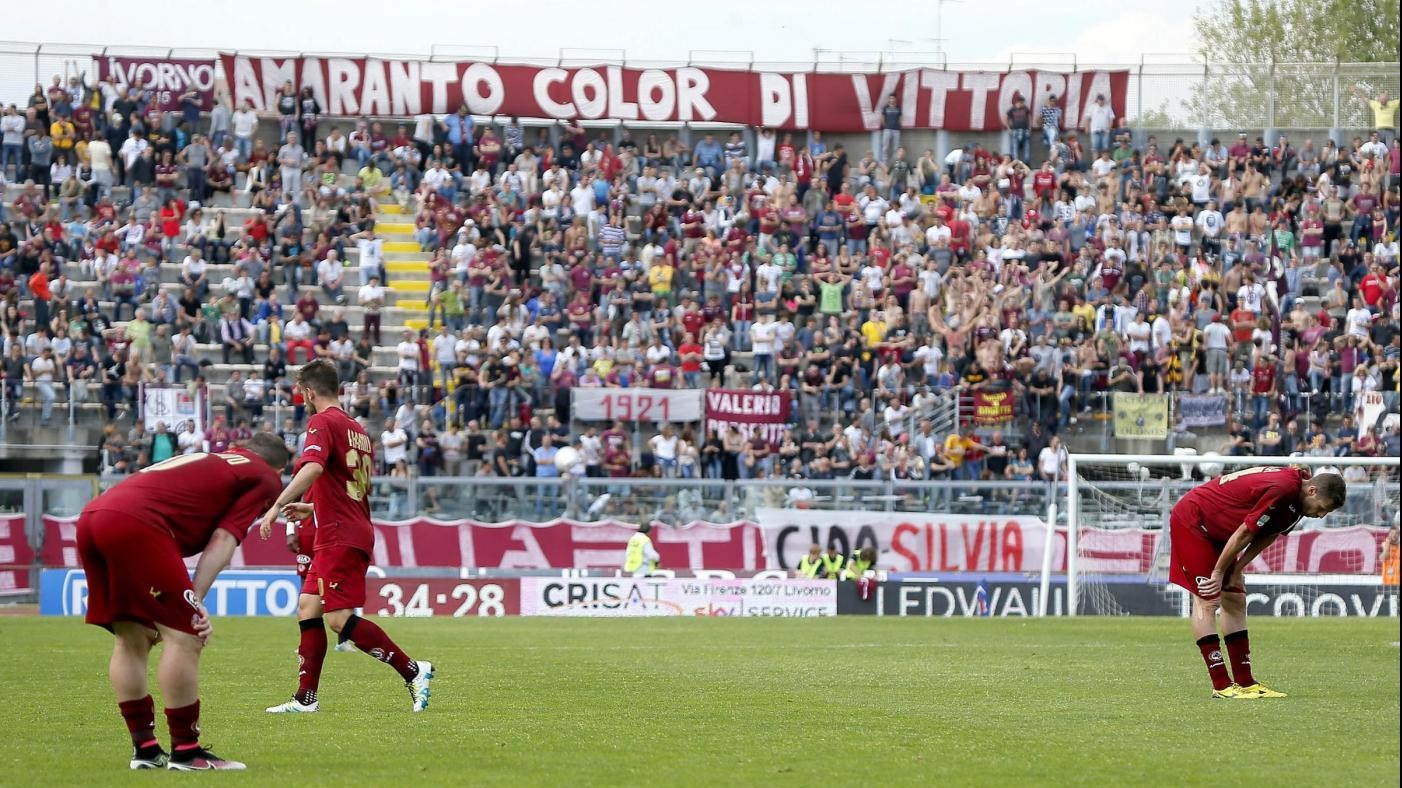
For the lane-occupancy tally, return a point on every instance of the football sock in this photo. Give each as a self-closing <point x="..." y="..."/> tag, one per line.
<point x="1211" y="648"/>
<point x="1239" y="652"/>
<point x="368" y="637"/>
<point x="184" y="725"/>
<point x="311" y="653"/>
<point x="341" y="637"/>
<point x="140" y="716"/>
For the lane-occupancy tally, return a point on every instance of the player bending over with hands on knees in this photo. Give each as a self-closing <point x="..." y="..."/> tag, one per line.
<point x="333" y="473"/>
<point x="132" y="542"/>
<point x="1219" y="528"/>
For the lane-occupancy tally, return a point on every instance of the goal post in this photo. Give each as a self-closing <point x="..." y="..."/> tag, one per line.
<point x="1117" y="508"/>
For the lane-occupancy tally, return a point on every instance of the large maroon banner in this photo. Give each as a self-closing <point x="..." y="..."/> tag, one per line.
<point x="167" y="79"/>
<point x="764" y="413"/>
<point x="929" y="98"/>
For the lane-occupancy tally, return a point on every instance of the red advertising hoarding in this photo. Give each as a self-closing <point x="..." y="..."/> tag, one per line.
<point x="905" y="542"/>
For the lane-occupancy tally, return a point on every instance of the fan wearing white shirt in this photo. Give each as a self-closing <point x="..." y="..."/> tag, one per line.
<point x="1182" y="226"/>
<point x="370" y="254"/>
<point x="873" y="276"/>
<point x="582" y="198"/>
<point x="445" y="350"/>
<point x="762" y="336"/>
<point x="1138" y="335"/>
<point x="478" y="181"/>
<point x="395" y="443"/>
<point x="872" y="205"/>
<point x="1162" y="332"/>
<point x="1210" y="223"/>
<point x="1251" y="295"/>
<point x="438" y="179"/>
<point x="1200" y="183"/>
<point x="937" y="232"/>
<point x="1359" y="319"/>
<point x="331" y="274"/>
<point x="664" y="450"/>
<point x="767" y="277"/>
<point x="408" y="352"/>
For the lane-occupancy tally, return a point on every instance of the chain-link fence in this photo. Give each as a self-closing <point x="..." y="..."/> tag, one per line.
<point x="1165" y="92"/>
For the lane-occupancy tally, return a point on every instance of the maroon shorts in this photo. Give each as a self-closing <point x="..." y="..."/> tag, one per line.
<point x="306" y="541"/>
<point x="1192" y="555"/>
<point x="337" y="575"/>
<point x="134" y="573"/>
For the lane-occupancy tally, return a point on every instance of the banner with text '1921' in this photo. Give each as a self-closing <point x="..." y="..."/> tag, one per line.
<point x="646" y="405"/>
<point x="927" y="98"/>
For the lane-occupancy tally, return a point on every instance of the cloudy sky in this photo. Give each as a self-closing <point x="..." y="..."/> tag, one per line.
<point x="1095" y="31"/>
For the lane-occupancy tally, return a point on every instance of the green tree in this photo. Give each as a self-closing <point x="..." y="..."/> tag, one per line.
<point x="1288" y="48"/>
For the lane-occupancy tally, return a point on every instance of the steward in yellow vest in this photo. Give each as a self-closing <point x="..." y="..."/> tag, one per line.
<point x="641" y="558"/>
<point x="859" y="563"/>
<point x="832" y="564"/>
<point x="811" y="566"/>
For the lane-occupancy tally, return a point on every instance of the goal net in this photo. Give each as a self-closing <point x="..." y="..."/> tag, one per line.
<point x="1117" y="537"/>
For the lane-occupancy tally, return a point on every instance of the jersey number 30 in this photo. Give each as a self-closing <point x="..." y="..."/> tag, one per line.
<point x="360" y="465"/>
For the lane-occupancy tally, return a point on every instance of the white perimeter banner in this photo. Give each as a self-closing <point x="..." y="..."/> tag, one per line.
<point x="914" y="541"/>
<point x="934" y="542"/>
<point x="654" y="405"/>
<point x="665" y="596"/>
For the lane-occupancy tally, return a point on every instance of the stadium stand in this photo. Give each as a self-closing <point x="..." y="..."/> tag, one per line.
<point x="465" y="275"/>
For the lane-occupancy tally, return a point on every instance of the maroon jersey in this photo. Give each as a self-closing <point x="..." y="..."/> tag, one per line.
<point x="188" y="496"/>
<point x="1263" y="498"/>
<point x="340" y="496"/>
<point x="1263" y="379"/>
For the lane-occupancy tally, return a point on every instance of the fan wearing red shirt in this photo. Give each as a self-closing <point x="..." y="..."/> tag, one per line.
<point x="333" y="474"/>
<point x="132" y="542"/>
<point x="691" y="354"/>
<point x="1044" y="182"/>
<point x="1373" y="285"/>
<point x="1215" y="532"/>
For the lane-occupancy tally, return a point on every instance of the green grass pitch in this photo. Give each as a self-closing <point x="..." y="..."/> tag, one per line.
<point x="857" y="701"/>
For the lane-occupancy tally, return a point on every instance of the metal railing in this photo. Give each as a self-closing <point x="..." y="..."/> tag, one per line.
<point x="1166" y="91"/>
<point x="679" y="501"/>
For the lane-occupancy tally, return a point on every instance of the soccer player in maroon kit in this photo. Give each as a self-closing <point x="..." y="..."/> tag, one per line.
<point x="132" y="541"/>
<point x="333" y="474"/>
<point x="1215" y="531"/>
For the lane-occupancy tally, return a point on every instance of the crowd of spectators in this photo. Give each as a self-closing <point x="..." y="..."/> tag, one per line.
<point x="865" y="284"/>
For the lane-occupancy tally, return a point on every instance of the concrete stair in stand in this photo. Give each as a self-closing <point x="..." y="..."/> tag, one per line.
<point x="406" y="266"/>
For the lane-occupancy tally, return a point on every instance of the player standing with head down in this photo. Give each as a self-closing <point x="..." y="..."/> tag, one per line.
<point x="132" y="541"/>
<point x="333" y="473"/>
<point x="1215" y="531"/>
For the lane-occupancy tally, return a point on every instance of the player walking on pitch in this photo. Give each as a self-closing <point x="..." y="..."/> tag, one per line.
<point x="1215" y="531"/>
<point x="132" y="541"/>
<point x="334" y="475"/>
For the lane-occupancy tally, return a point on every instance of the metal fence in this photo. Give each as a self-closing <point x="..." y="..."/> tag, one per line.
<point x="1176" y="91"/>
<point x="681" y="501"/>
